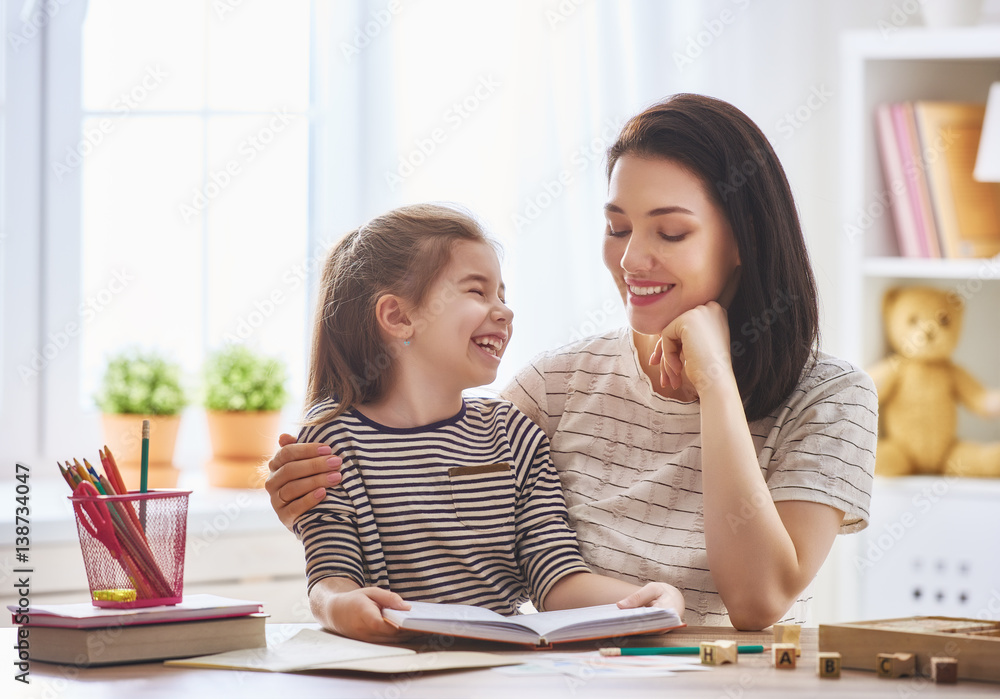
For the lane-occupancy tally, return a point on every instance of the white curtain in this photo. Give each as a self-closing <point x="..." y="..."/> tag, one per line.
<point x="507" y="108"/>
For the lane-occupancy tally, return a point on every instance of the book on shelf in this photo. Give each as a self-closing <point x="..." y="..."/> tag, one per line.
<point x="896" y="183"/>
<point x="85" y="615"/>
<point x="927" y="151"/>
<point x="920" y="198"/>
<point x="540" y="630"/>
<point x="115" y="645"/>
<point x="967" y="211"/>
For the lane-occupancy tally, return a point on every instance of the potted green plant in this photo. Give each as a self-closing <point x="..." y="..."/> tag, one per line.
<point x="142" y="385"/>
<point x="244" y="394"/>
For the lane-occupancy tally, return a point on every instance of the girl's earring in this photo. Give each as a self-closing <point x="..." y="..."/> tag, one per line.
<point x="406" y="342"/>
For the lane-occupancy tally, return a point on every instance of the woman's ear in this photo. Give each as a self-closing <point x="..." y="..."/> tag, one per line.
<point x="392" y="317"/>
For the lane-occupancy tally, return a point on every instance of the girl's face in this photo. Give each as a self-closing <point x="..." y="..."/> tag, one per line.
<point x="667" y="245"/>
<point x="462" y="328"/>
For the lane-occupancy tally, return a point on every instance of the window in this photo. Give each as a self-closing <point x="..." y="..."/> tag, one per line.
<point x="181" y="183"/>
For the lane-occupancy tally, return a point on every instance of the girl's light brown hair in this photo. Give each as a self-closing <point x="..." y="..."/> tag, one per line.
<point x="401" y="252"/>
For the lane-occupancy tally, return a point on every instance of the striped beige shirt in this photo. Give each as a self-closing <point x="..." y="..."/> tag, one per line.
<point x="630" y="460"/>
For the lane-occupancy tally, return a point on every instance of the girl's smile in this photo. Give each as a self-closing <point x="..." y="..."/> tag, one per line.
<point x="462" y="328"/>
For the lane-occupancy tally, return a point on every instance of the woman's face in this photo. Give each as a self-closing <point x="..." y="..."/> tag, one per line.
<point x="667" y="245"/>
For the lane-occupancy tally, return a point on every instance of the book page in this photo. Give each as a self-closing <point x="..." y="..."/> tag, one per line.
<point x="461" y="620"/>
<point x="587" y="621"/>
<point x="446" y="612"/>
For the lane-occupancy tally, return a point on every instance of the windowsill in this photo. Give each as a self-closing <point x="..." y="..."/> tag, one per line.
<point x="210" y="510"/>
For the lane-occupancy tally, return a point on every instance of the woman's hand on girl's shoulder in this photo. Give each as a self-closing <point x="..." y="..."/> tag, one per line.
<point x="298" y="476"/>
<point x="655" y="594"/>
<point x="695" y="345"/>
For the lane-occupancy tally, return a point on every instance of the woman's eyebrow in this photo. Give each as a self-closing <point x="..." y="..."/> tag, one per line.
<point x="660" y="211"/>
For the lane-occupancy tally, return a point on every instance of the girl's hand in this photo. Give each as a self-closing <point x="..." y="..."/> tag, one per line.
<point x="298" y="477"/>
<point x="695" y="345"/>
<point x="655" y="594"/>
<point x="358" y="614"/>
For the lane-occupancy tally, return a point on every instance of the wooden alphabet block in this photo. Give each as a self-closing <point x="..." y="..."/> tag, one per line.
<point x="784" y="655"/>
<point x="944" y="670"/>
<point x="895" y="664"/>
<point x="718" y="652"/>
<point x="829" y="665"/>
<point x="788" y="633"/>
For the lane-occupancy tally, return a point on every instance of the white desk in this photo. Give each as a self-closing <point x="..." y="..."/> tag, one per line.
<point x="753" y="676"/>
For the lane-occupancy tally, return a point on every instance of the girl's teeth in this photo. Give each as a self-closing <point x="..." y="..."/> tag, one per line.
<point x="490" y="345"/>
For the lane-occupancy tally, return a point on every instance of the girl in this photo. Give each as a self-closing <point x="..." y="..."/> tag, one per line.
<point x="710" y="443"/>
<point x="443" y="498"/>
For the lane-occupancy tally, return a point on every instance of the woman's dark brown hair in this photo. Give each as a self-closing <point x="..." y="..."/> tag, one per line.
<point x="774" y="319"/>
<point x="401" y="252"/>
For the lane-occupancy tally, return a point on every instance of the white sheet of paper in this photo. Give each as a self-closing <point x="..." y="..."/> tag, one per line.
<point x="308" y="649"/>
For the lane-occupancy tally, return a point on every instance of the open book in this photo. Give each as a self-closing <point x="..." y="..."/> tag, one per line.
<point x="541" y="629"/>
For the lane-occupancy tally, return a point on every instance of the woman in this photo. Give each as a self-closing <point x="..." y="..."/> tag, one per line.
<point x="710" y="444"/>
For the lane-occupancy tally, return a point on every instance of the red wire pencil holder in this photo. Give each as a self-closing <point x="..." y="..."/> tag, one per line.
<point x="132" y="545"/>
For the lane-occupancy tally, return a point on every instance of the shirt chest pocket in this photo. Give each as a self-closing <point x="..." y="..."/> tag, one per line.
<point x="483" y="496"/>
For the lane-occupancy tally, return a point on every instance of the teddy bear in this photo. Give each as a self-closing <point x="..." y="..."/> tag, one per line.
<point x="920" y="389"/>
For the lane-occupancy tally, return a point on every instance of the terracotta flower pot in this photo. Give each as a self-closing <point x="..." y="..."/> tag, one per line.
<point x="241" y="442"/>
<point x="123" y="436"/>
<point x="243" y="435"/>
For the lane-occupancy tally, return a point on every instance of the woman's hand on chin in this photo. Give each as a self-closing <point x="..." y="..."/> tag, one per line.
<point x="298" y="476"/>
<point x="694" y="345"/>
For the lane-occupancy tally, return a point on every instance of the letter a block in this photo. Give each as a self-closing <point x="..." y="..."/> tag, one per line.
<point x="944" y="670"/>
<point x="829" y="665"/>
<point x="788" y="633"/>
<point x="718" y="652"/>
<point x="895" y="664"/>
<point x="784" y="655"/>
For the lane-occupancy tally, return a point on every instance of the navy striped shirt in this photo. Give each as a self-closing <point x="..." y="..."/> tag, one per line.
<point x="468" y="510"/>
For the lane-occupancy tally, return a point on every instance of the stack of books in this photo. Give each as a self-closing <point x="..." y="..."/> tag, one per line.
<point x="85" y="635"/>
<point x="928" y="152"/>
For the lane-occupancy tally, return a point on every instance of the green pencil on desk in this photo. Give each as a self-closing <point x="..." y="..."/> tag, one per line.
<point x="671" y="650"/>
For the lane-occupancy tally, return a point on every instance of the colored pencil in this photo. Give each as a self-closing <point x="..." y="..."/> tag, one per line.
<point x="115" y="476"/>
<point x="673" y="650"/>
<point x="74" y="477"/>
<point x="111" y="467"/>
<point x="65" y="475"/>
<point x="82" y="472"/>
<point x="144" y="472"/>
<point x="96" y="478"/>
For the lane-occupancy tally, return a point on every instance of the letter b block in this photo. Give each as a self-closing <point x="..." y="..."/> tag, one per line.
<point x="829" y="665"/>
<point x="784" y="655"/>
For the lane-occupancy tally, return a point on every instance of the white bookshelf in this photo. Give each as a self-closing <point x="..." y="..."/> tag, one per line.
<point x="915" y="64"/>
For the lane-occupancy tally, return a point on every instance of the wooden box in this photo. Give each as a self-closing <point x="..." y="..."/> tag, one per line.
<point x="974" y="642"/>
